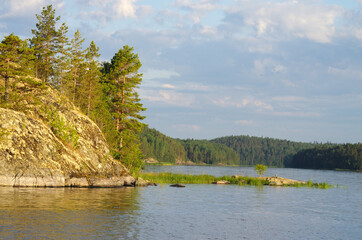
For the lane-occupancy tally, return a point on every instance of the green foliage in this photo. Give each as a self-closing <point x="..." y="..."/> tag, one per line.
<point x="165" y="149"/>
<point x="121" y="81"/>
<point x="60" y="127"/>
<point x="203" y="151"/>
<point x="15" y="62"/>
<point x="267" y="151"/>
<point x="45" y="43"/>
<point x="346" y="156"/>
<point x="158" y="146"/>
<point x="260" y="169"/>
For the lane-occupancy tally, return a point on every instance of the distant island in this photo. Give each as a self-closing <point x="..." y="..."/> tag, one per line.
<point x="247" y="151"/>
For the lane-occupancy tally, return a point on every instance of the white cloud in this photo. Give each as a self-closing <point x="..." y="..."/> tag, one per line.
<point x="168" y="86"/>
<point x="301" y="19"/>
<point x="15" y="8"/>
<point x="245" y="102"/>
<point x="169" y="97"/>
<point x="103" y="10"/>
<point x="159" y="74"/>
<point x="125" y="8"/>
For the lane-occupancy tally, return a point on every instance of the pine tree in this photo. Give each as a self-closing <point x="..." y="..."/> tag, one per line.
<point x="15" y="60"/>
<point x="63" y="61"/>
<point x="126" y="106"/>
<point x="45" y="43"/>
<point x="77" y="56"/>
<point x="92" y="77"/>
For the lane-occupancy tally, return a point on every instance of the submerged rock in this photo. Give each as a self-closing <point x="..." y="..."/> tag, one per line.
<point x="177" y="185"/>
<point x="48" y="142"/>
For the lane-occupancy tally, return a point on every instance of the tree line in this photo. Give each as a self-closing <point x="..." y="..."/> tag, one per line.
<point x="165" y="149"/>
<point x="106" y="92"/>
<point x="247" y="151"/>
<point x="346" y="156"/>
<point x="266" y="151"/>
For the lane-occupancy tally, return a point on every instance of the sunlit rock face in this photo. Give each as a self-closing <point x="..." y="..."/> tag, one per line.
<point x="47" y="142"/>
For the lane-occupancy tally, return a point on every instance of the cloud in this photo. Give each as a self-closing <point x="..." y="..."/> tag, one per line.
<point x="186" y="127"/>
<point x="168" y="86"/>
<point x="244" y="122"/>
<point x="169" y="97"/>
<point x="266" y="66"/>
<point x="159" y="74"/>
<point x="245" y="102"/>
<point x="296" y="19"/>
<point x="201" y="6"/>
<point x="298" y="114"/>
<point x="16" y="8"/>
<point x="110" y="10"/>
<point x="125" y="8"/>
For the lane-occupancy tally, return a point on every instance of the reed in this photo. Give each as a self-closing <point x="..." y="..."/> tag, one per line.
<point x="173" y="178"/>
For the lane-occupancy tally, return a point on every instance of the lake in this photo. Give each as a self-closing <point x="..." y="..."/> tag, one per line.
<point x="194" y="212"/>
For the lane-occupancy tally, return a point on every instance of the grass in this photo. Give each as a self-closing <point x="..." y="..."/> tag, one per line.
<point x="173" y="178"/>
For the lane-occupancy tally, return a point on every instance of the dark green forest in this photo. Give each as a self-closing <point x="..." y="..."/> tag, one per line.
<point x="234" y="150"/>
<point x="246" y="151"/>
<point x="267" y="151"/>
<point x="346" y="156"/>
<point x="165" y="149"/>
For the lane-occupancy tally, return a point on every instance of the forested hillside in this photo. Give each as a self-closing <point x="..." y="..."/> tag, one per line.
<point x="347" y="156"/>
<point x="267" y="151"/>
<point x="234" y="150"/>
<point x="165" y="149"/>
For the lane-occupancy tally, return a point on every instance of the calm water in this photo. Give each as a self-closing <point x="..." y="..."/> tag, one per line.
<point x="194" y="212"/>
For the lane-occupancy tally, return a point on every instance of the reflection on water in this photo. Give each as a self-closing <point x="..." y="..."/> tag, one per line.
<point x="59" y="213"/>
<point x="195" y="212"/>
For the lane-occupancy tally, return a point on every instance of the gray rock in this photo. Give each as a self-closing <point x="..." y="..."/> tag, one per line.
<point x="221" y="182"/>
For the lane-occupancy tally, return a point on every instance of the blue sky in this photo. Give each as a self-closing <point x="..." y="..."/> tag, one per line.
<point x="288" y="69"/>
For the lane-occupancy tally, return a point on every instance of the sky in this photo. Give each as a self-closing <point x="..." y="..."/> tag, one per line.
<point x="286" y="69"/>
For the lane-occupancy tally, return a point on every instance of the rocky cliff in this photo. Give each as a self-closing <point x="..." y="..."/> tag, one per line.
<point x="46" y="141"/>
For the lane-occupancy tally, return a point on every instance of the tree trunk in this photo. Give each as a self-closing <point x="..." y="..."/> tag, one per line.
<point x="89" y="93"/>
<point x="6" y="95"/>
<point x="75" y="85"/>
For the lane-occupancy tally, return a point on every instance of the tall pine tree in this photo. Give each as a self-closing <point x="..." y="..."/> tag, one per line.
<point x="91" y="79"/>
<point x="63" y="61"/>
<point x="126" y="107"/>
<point x="45" y="43"/>
<point x="77" y="57"/>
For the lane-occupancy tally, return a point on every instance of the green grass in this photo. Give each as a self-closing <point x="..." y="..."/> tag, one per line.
<point x="173" y="178"/>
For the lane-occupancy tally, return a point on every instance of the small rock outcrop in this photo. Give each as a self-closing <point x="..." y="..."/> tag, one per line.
<point x="279" y="181"/>
<point x="140" y="182"/>
<point x="221" y="182"/>
<point x="47" y="142"/>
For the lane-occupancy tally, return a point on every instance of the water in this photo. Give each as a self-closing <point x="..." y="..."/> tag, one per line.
<point x="194" y="212"/>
